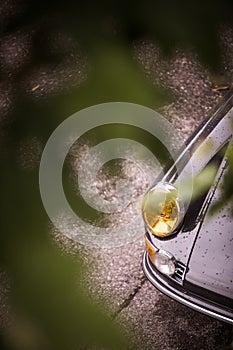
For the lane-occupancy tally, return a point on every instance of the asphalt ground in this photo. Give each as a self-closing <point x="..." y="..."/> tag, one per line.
<point x="152" y="320"/>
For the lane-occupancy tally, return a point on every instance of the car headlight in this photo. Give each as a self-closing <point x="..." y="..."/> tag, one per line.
<point x="162" y="211"/>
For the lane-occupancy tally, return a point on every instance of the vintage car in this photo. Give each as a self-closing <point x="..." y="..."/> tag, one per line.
<point x="189" y="247"/>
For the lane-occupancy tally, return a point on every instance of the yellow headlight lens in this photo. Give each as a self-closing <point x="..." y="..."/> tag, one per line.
<point x="161" y="209"/>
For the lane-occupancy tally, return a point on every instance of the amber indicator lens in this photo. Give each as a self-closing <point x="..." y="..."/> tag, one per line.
<point x="160" y="209"/>
<point x="151" y="250"/>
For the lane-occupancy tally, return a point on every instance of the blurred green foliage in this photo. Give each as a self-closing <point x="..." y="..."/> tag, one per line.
<point x="51" y="308"/>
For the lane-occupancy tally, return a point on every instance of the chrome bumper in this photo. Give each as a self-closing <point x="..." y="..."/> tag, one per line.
<point x="183" y="296"/>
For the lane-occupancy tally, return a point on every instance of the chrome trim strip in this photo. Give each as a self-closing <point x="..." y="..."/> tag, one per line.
<point x="178" y="298"/>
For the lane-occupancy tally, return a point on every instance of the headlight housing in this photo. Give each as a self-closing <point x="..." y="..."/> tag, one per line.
<point x="161" y="209"/>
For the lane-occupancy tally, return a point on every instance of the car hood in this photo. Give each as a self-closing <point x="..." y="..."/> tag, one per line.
<point x="210" y="264"/>
<point x="196" y="221"/>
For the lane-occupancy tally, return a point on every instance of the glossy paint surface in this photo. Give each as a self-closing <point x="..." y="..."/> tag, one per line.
<point x="203" y="151"/>
<point x="204" y="243"/>
<point x="211" y="261"/>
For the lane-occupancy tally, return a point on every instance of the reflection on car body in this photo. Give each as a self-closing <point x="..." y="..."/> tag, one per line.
<point x="189" y="253"/>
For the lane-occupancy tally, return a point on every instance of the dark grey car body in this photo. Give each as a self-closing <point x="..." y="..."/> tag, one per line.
<point x="203" y="244"/>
